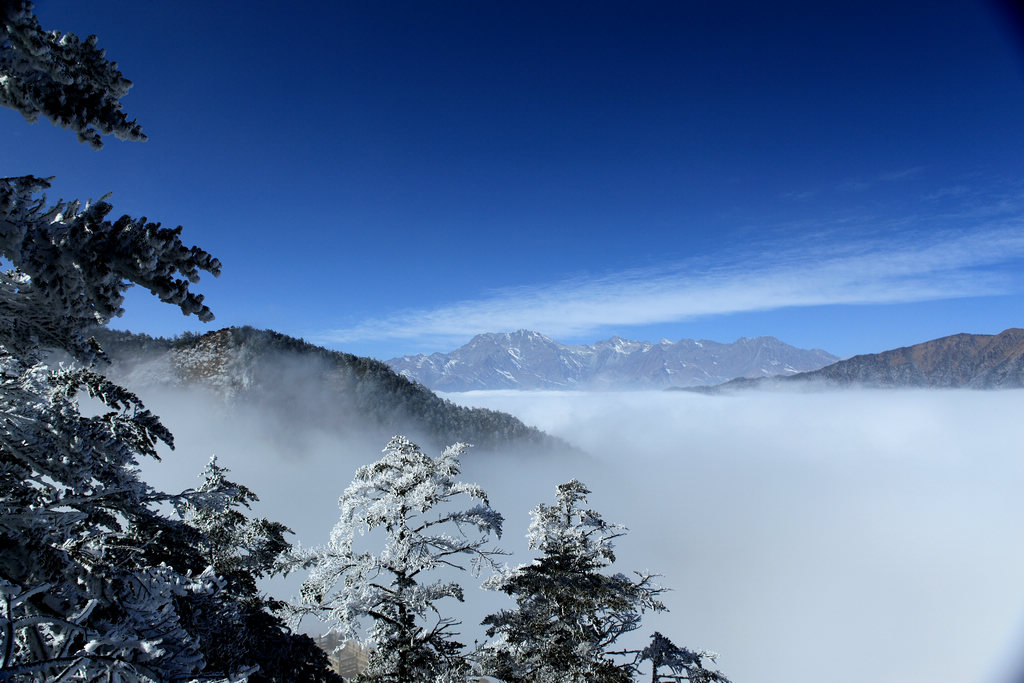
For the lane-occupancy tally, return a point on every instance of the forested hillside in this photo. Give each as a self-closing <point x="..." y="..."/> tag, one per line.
<point x="305" y="385"/>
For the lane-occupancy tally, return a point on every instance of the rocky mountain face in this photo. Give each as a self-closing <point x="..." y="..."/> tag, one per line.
<point x="302" y="386"/>
<point x="974" y="361"/>
<point x="529" y="360"/>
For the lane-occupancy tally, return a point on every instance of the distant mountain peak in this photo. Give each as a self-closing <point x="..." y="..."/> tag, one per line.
<point x="525" y="359"/>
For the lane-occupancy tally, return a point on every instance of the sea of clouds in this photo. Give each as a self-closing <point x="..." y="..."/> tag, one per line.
<point x="806" y="537"/>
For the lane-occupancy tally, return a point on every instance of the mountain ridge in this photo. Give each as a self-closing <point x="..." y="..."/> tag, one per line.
<point x="309" y="386"/>
<point x="957" y="361"/>
<point x="525" y="359"/>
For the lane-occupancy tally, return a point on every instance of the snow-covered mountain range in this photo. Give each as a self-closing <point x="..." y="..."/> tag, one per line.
<point x="530" y="360"/>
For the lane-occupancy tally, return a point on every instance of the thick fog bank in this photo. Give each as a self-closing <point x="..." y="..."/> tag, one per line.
<point x="299" y="474"/>
<point x="834" y="537"/>
<point x="808" y="537"/>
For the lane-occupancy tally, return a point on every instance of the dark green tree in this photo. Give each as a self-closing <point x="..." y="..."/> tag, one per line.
<point x="569" y="613"/>
<point x="79" y="597"/>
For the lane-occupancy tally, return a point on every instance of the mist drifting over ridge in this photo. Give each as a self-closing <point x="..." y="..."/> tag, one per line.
<point x="807" y="537"/>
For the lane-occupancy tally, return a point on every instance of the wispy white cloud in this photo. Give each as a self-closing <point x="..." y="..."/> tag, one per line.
<point x="894" y="270"/>
<point x="860" y="184"/>
<point x="901" y="174"/>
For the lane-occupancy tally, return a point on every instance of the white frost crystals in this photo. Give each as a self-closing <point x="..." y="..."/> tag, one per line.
<point x="568" y="612"/>
<point x="408" y="496"/>
<point x="61" y="77"/>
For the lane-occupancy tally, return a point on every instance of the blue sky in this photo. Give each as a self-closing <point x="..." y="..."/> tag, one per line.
<point x="394" y="177"/>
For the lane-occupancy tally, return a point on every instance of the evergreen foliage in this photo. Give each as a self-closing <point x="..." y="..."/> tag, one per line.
<point x="685" y="665"/>
<point x="568" y="613"/>
<point x="96" y="582"/>
<point x="358" y="393"/>
<point x="411" y="498"/>
<point x="72" y="267"/>
<point x="241" y="550"/>
<point x="239" y="627"/>
<point x="99" y="583"/>
<point x="67" y="80"/>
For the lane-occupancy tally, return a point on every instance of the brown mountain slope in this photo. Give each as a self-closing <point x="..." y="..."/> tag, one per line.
<point x="980" y="361"/>
<point x="976" y="361"/>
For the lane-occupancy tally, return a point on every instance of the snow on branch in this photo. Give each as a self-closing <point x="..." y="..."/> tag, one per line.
<point x="72" y="267"/>
<point x="61" y="77"/>
<point x="404" y="494"/>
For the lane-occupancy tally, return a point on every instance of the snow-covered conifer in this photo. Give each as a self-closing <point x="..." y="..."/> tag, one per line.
<point x="683" y="663"/>
<point x="568" y="613"/>
<point x="411" y="500"/>
<point x="71" y="267"/>
<point x="83" y="594"/>
<point x="240" y="550"/>
<point x="64" y="78"/>
<point x="94" y="583"/>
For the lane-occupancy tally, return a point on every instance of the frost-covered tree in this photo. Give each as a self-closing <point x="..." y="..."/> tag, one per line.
<point x="96" y="582"/>
<point x="685" y="665"/>
<point x="67" y="80"/>
<point x="71" y="267"/>
<point x="568" y="613"/>
<point x="79" y="599"/>
<point x="241" y="550"/>
<point x="82" y="597"/>
<point x="409" y="502"/>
